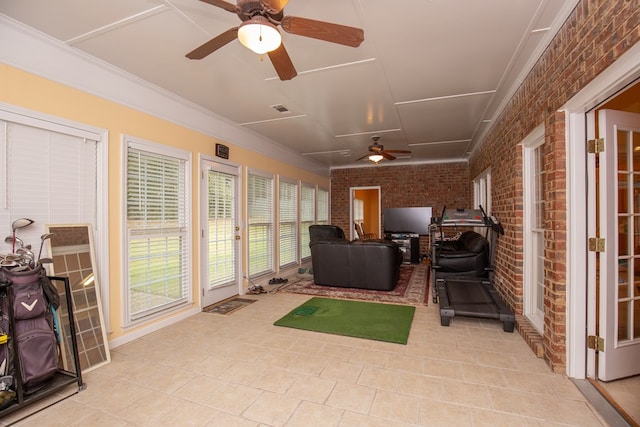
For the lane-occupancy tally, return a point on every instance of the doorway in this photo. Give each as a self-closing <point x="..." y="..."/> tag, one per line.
<point x="365" y="210"/>
<point x="614" y="260"/>
<point x="220" y="232"/>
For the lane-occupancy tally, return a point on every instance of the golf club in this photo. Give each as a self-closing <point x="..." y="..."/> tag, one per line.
<point x="44" y="237"/>
<point x="12" y="240"/>
<point x="18" y="223"/>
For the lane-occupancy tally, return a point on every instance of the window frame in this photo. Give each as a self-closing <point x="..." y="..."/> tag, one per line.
<point x="291" y="223"/>
<point x="533" y="254"/>
<point x="304" y="238"/>
<point x="159" y="150"/>
<point x="323" y="207"/>
<point x="270" y="224"/>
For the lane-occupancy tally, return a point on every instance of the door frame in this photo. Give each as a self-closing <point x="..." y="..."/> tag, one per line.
<point x="352" y="192"/>
<point x="202" y="201"/>
<point x="580" y="298"/>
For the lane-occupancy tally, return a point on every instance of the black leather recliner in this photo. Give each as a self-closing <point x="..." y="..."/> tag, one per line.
<point x="469" y="255"/>
<point x="324" y="232"/>
<point x="363" y="264"/>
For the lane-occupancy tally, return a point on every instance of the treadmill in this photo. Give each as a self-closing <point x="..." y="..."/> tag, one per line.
<point x="465" y="295"/>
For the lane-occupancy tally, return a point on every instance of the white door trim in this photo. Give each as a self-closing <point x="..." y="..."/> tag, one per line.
<point x="617" y="76"/>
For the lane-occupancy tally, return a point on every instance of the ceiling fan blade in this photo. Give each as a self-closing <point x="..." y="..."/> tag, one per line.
<point x="274" y="6"/>
<point x="399" y="151"/>
<point x="387" y="156"/>
<point x="363" y="157"/>
<point x="223" y="5"/>
<point x="334" y="33"/>
<point x="213" y="44"/>
<point x="282" y="63"/>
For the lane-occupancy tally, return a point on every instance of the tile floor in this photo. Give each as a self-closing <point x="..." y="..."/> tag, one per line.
<point x="240" y="370"/>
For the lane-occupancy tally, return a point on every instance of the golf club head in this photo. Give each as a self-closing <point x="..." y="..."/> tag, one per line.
<point x="44" y="237"/>
<point x="46" y="261"/>
<point x="20" y="223"/>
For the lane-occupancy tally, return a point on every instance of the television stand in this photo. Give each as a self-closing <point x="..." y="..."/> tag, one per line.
<point x="409" y="245"/>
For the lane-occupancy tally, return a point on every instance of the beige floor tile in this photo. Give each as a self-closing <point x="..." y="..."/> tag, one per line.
<point x="274" y="379"/>
<point x="227" y="420"/>
<point x="234" y="398"/>
<point x="342" y="371"/>
<point x="198" y="389"/>
<point x="419" y="385"/>
<point x="443" y="369"/>
<point x="570" y="412"/>
<point x="484" y="418"/>
<point x="461" y="393"/>
<point x="271" y="409"/>
<point x="378" y="378"/>
<point x="517" y="403"/>
<point x="309" y="414"/>
<point x="242" y="371"/>
<point x="405" y="363"/>
<point x="477" y="374"/>
<point x="311" y="389"/>
<point x="369" y="357"/>
<point x="397" y="407"/>
<point x="308" y="364"/>
<point x="352" y="419"/>
<point x="351" y="398"/>
<point x="435" y="413"/>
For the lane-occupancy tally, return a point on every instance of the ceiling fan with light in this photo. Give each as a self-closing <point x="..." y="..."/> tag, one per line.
<point x="377" y="151"/>
<point x="258" y="32"/>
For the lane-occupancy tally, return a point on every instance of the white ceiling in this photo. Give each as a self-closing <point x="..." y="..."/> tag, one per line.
<point x="430" y="76"/>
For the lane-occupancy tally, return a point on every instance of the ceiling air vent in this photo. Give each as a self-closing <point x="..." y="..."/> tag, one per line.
<point x="280" y="108"/>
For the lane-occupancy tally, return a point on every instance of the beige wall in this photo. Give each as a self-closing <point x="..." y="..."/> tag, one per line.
<point x="28" y="91"/>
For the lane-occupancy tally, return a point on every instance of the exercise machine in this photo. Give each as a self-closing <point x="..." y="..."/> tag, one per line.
<point x="466" y="291"/>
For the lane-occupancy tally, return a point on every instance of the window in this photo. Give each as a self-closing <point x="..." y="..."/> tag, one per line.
<point x="47" y="176"/>
<point x="482" y="191"/>
<point x="260" y="223"/>
<point x="358" y="210"/>
<point x="157" y="228"/>
<point x="307" y="217"/>
<point x="288" y="222"/>
<point x="322" y="206"/>
<point x="533" y="179"/>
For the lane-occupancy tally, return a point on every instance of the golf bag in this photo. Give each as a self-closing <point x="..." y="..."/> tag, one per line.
<point x="7" y="387"/>
<point x="32" y="332"/>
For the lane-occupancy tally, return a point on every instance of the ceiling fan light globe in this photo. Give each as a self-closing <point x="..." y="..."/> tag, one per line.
<point x="259" y="35"/>
<point x="375" y="158"/>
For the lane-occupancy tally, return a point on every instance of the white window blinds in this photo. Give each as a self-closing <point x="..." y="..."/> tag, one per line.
<point x="322" y="213"/>
<point x="47" y="176"/>
<point x="288" y="222"/>
<point x="260" y="222"/>
<point x="157" y="226"/>
<point x="307" y="217"/>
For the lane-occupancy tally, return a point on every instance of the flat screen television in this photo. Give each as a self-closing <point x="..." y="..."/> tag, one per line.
<point x="407" y="220"/>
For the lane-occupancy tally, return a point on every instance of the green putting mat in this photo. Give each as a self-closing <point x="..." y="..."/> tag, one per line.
<point x="374" y="321"/>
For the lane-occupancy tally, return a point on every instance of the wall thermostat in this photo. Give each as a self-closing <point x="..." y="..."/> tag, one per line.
<point x="222" y="151"/>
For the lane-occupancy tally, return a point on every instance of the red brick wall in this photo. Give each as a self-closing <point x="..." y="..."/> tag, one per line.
<point x="596" y="34"/>
<point x="434" y="185"/>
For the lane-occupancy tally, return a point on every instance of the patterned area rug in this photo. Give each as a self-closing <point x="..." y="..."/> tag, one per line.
<point x="412" y="288"/>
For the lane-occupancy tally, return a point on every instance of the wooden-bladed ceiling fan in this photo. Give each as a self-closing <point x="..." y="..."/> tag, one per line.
<point x="271" y="13"/>
<point x="378" y="149"/>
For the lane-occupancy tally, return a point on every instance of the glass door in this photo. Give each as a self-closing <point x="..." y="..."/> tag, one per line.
<point x="220" y="233"/>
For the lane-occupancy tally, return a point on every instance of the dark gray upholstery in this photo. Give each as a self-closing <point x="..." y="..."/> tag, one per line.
<point x="469" y="255"/>
<point x="363" y="264"/>
<point x="324" y="232"/>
